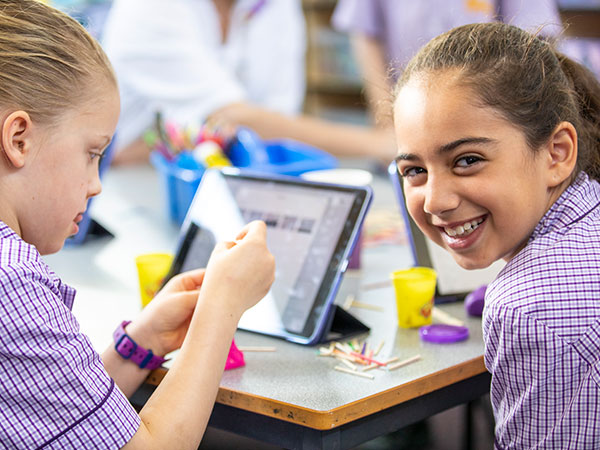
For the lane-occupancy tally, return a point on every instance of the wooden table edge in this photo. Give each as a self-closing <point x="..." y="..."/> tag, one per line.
<point x="326" y="420"/>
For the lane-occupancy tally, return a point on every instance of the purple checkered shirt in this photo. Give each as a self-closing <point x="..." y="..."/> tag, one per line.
<point x="541" y="329"/>
<point x="54" y="391"/>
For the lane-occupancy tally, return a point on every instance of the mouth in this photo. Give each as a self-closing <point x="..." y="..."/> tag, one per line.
<point x="464" y="229"/>
<point x="78" y="218"/>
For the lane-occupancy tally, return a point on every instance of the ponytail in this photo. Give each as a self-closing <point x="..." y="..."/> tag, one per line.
<point x="586" y="89"/>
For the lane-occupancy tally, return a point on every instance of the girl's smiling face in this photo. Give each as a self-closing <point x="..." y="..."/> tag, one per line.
<point x="471" y="182"/>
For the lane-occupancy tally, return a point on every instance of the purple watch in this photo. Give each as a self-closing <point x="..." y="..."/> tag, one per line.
<point x="128" y="349"/>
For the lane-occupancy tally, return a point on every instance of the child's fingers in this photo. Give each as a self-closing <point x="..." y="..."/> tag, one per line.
<point x="256" y="228"/>
<point x="224" y="245"/>
<point x="187" y="299"/>
<point x="186" y="281"/>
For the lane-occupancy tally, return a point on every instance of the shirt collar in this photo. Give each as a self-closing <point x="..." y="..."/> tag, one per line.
<point x="7" y="232"/>
<point x="67" y="292"/>
<point x="581" y="197"/>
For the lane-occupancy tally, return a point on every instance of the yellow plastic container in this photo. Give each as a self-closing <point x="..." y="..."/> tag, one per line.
<point x="415" y="292"/>
<point x="152" y="269"/>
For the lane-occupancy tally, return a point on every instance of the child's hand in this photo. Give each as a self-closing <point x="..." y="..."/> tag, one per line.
<point x="163" y="324"/>
<point x="240" y="273"/>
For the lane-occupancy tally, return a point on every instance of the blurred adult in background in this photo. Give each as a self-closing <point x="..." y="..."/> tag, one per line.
<point x="242" y="63"/>
<point x="188" y="58"/>
<point x="90" y="13"/>
<point x="385" y="34"/>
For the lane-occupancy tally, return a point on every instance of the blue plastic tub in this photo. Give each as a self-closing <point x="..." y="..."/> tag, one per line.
<point x="181" y="177"/>
<point x="282" y="156"/>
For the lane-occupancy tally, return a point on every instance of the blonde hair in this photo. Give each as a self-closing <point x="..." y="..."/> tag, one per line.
<point x="48" y="62"/>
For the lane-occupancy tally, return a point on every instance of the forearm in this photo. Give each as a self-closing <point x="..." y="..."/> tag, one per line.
<point x="127" y="375"/>
<point x="177" y="413"/>
<point x="335" y="138"/>
<point x="371" y="59"/>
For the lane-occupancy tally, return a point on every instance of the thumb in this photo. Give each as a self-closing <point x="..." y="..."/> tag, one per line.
<point x="222" y="246"/>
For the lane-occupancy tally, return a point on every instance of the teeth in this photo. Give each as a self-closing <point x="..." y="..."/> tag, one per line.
<point x="463" y="230"/>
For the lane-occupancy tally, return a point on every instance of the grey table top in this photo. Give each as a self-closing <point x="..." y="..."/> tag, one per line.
<point x="293" y="379"/>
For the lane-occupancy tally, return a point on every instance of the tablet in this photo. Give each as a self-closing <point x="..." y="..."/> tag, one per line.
<point x="312" y="228"/>
<point x="453" y="282"/>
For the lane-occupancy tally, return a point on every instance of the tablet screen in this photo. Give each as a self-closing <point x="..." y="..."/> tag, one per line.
<point x="311" y="228"/>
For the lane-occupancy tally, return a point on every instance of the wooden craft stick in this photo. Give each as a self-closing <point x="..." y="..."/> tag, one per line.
<point x="366" y="358"/>
<point x="346" y="362"/>
<point x="443" y="317"/>
<point x="377" y="285"/>
<point x="344" y="355"/>
<point x="354" y="372"/>
<point x="370" y="367"/>
<point x="357" y="304"/>
<point x="325" y="351"/>
<point x="404" y="363"/>
<point x="348" y="302"/>
<point x="256" y="349"/>
<point x="342" y="347"/>
<point x="391" y="360"/>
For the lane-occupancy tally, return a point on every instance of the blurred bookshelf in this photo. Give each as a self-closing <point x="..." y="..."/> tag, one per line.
<point x="581" y="18"/>
<point x="334" y="88"/>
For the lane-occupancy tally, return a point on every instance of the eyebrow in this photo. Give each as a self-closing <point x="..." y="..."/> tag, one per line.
<point x="107" y="141"/>
<point x="446" y="148"/>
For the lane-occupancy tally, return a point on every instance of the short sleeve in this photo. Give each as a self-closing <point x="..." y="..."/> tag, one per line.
<point x="54" y="391"/>
<point x="541" y="15"/>
<point x="358" y="16"/>
<point x="544" y="391"/>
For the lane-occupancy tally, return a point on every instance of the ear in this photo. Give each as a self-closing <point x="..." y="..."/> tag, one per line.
<point x="16" y="138"/>
<point x="562" y="153"/>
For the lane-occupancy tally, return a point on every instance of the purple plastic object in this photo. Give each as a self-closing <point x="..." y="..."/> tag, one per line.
<point x="474" y="301"/>
<point x="443" y="334"/>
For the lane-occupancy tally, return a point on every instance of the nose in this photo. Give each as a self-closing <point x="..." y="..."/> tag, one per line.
<point x="441" y="195"/>
<point x="95" y="186"/>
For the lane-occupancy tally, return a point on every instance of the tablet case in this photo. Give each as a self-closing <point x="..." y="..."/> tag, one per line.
<point x="342" y="325"/>
<point x="336" y="323"/>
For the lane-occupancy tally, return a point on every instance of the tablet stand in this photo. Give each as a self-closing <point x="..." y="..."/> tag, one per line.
<point x="93" y="230"/>
<point x="343" y="325"/>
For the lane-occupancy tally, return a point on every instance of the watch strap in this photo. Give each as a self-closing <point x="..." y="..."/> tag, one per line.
<point x="129" y="349"/>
